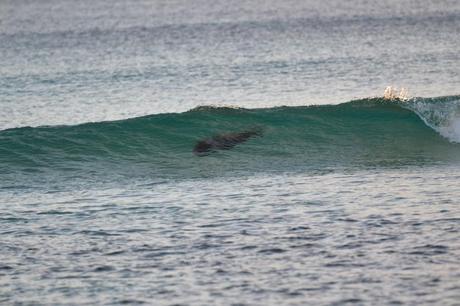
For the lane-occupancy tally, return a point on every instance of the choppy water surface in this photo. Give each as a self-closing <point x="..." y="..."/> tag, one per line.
<point x="386" y="237"/>
<point x="67" y="62"/>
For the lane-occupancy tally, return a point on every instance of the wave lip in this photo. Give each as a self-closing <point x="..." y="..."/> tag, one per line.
<point x="442" y="114"/>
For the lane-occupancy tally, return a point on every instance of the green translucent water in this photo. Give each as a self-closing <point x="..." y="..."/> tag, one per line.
<point x="361" y="134"/>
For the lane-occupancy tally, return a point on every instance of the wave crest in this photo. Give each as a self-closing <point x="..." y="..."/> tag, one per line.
<point x="441" y="114"/>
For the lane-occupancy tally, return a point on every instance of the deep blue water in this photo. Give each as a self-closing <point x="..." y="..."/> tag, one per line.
<point x="340" y="197"/>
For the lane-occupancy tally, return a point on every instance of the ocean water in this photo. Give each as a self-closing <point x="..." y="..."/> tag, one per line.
<point x="339" y="196"/>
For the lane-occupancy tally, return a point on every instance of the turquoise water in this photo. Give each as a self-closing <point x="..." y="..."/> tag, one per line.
<point x="362" y="134"/>
<point x="339" y="196"/>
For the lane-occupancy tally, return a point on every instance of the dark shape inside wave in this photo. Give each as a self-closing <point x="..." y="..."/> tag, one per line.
<point x="224" y="141"/>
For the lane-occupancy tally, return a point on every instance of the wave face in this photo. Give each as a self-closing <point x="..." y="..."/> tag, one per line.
<point x="364" y="133"/>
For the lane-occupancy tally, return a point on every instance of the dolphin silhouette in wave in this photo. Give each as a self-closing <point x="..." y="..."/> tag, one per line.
<point x="224" y="141"/>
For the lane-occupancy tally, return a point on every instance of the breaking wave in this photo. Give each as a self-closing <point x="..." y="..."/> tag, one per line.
<point x="371" y="132"/>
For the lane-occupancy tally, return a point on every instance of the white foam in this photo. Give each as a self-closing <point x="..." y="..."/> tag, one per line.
<point x="452" y="131"/>
<point x="441" y="115"/>
<point x="392" y="93"/>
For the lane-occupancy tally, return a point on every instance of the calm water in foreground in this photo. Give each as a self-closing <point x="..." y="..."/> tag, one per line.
<point x="366" y="237"/>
